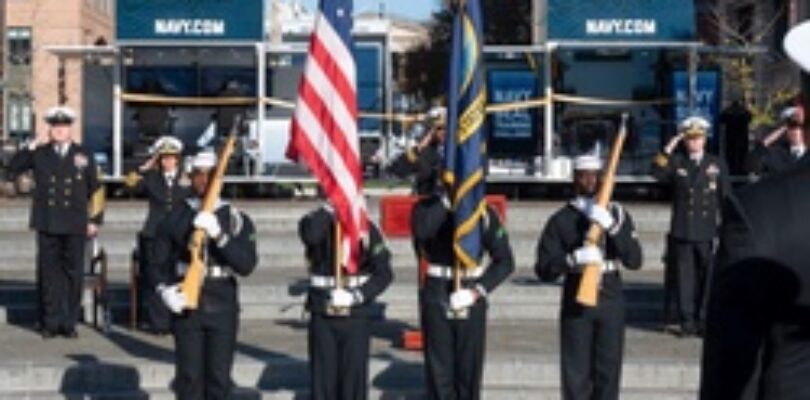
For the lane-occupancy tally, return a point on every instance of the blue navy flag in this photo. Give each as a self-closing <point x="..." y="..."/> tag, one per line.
<point x="466" y="115"/>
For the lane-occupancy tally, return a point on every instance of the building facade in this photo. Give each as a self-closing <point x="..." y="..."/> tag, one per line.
<point x="35" y="77"/>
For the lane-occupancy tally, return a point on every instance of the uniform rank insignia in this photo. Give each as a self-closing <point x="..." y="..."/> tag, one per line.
<point x="184" y="181"/>
<point x="80" y="161"/>
<point x="712" y="171"/>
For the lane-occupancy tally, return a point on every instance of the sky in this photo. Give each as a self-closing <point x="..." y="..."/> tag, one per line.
<point x="416" y="9"/>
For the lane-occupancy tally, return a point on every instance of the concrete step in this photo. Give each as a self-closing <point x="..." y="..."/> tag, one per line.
<point x="522" y="217"/>
<point x="271" y="357"/>
<point x="399" y="262"/>
<point x="19" y="251"/>
<point x="489" y="393"/>
<point x="280" y="293"/>
<point x="22" y="243"/>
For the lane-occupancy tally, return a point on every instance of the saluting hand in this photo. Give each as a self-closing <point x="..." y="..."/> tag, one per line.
<point x="150" y="163"/>
<point x="39" y="140"/>
<point x="674" y="142"/>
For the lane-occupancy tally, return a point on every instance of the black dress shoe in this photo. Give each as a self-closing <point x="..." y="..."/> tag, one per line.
<point x="701" y="329"/>
<point x="687" y="331"/>
<point x="70" y="333"/>
<point x="152" y="330"/>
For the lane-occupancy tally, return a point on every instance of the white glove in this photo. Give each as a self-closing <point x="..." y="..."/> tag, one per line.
<point x="601" y="216"/>
<point x="341" y="298"/>
<point x="588" y="255"/>
<point x="461" y="299"/>
<point x="209" y="223"/>
<point x="173" y="298"/>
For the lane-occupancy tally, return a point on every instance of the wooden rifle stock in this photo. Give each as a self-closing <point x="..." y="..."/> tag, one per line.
<point x="195" y="275"/>
<point x="588" y="291"/>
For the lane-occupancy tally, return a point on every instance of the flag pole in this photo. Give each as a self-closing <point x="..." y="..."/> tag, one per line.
<point x="339" y="281"/>
<point x="338" y="256"/>
<point x="456" y="276"/>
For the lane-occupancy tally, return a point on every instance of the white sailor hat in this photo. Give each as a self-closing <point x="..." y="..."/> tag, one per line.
<point x="587" y="162"/>
<point x="60" y="115"/>
<point x="795" y="44"/>
<point x="167" y="145"/>
<point x="205" y="159"/>
<point x="695" y="126"/>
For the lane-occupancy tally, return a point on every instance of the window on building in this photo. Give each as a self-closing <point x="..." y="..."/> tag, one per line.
<point x="20" y="117"/>
<point x="19" y="45"/>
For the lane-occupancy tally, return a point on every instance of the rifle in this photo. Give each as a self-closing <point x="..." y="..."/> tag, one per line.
<point x="588" y="291"/>
<point x="193" y="281"/>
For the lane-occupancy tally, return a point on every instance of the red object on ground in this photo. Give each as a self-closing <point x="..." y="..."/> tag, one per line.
<point x="412" y="340"/>
<point x="395" y="213"/>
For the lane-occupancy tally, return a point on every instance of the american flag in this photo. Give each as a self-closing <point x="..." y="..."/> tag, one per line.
<point x="323" y="133"/>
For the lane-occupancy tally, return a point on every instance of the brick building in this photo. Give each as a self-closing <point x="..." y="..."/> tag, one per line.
<point x="35" y="79"/>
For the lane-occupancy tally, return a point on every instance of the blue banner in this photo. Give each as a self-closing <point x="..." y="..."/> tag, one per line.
<point x="615" y="20"/>
<point x="706" y="98"/>
<point x="466" y="120"/>
<point x="513" y="132"/>
<point x="190" y="20"/>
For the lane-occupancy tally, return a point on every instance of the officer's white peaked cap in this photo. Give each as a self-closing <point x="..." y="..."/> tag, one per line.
<point x="168" y="145"/>
<point x="796" y="45"/>
<point x="695" y="126"/>
<point x="60" y="115"/>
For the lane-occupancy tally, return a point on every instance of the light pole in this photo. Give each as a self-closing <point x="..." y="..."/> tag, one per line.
<point x="536" y="25"/>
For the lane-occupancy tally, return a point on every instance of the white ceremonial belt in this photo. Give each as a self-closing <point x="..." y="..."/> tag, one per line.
<point x="218" y="272"/>
<point x="444" y="272"/>
<point x="610" y="266"/>
<point x="213" y="271"/>
<point x="328" y="282"/>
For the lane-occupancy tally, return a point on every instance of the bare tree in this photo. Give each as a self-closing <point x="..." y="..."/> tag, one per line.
<point x="748" y="33"/>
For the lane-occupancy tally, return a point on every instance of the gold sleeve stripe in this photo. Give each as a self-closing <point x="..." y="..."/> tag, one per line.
<point x="98" y="201"/>
<point x="132" y="179"/>
<point x="661" y="160"/>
